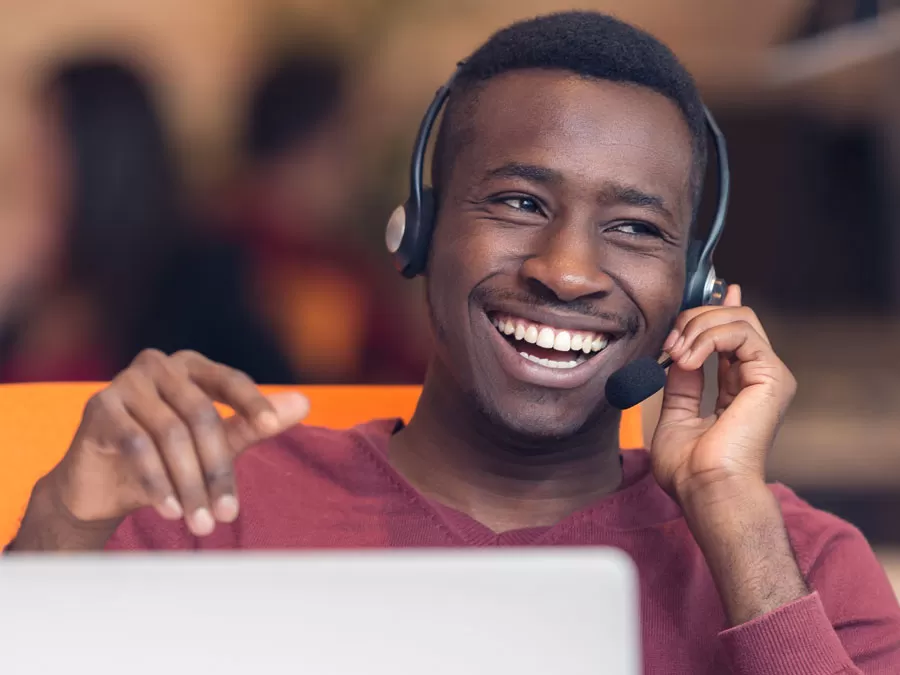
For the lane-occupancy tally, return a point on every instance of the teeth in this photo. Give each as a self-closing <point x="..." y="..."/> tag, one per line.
<point x="549" y="338"/>
<point x="547" y="363"/>
<point x="562" y="342"/>
<point x="546" y="338"/>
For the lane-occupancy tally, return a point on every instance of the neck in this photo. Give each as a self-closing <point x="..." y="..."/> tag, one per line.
<point x="451" y="453"/>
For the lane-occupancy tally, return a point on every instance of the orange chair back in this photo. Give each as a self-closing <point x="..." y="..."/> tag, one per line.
<point x="39" y="421"/>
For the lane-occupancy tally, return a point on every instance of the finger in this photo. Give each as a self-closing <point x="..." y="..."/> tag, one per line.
<point x="236" y="390"/>
<point x="175" y="445"/>
<point x="290" y="408"/>
<point x="703" y="322"/>
<point x="737" y="338"/>
<point x="139" y="451"/>
<point x="681" y="396"/>
<point x="732" y="296"/>
<point x="206" y="426"/>
<point x="728" y="382"/>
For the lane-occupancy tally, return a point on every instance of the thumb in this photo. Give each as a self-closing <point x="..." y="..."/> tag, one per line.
<point x="290" y="408"/>
<point x="682" y="395"/>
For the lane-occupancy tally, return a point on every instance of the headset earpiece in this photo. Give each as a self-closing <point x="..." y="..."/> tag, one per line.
<point x="408" y="234"/>
<point x="702" y="287"/>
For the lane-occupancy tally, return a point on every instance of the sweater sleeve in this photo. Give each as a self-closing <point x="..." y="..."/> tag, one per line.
<point x="848" y="625"/>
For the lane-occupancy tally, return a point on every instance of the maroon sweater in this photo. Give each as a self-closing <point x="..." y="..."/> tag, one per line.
<point x="318" y="488"/>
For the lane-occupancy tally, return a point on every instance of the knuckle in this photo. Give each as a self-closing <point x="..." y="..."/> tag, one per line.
<point x="174" y="432"/>
<point x="187" y="356"/>
<point x="133" y="443"/>
<point x="219" y="476"/>
<point x="98" y="403"/>
<point x="203" y="415"/>
<point x="154" y="484"/>
<point x="149" y="357"/>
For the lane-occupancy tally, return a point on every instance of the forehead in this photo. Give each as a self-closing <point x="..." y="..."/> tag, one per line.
<point x="587" y="129"/>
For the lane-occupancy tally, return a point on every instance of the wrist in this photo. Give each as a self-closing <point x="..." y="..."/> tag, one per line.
<point x="718" y="493"/>
<point x="48" y="524"/>
<point x="738" y="526"/>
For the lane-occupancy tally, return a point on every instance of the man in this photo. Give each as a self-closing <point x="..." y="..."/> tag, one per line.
<point x="567" y="171"/>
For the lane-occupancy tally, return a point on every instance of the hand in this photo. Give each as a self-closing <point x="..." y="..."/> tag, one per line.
<point x="153" y="437"/>
<point x="690" y="452"/>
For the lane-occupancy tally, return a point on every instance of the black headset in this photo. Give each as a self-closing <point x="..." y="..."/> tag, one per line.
<point x="408" y="234"/>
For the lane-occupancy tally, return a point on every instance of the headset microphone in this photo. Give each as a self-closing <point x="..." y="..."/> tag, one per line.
<point x="408" y="238"/>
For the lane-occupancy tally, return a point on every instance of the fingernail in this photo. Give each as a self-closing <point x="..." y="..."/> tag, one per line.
<point x="203" y="522"/>
<point x="170" y="509"/>
<point x="679" y="344"/>
<point x="226" y="509"/>
<point x="267" y="422"/>
<point x="670" y="341"/>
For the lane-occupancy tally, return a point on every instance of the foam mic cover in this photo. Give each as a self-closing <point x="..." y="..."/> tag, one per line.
<point x="634" y="383"/>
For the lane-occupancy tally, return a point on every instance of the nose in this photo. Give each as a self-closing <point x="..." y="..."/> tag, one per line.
<point x="568" y="266"/>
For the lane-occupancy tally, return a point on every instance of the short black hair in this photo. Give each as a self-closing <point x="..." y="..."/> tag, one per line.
<point x="589" y="44"/>
<point x="292" y="98"/>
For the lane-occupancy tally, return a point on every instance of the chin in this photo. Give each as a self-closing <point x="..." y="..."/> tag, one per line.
<point x="551" y="418"/>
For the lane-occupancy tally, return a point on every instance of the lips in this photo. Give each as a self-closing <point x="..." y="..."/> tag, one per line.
<point x="547" y="355"/>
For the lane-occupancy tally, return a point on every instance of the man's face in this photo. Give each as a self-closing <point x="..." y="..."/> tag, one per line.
<point x="559" y="252"/>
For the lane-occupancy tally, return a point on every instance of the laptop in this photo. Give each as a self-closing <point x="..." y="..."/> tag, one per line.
<point x="524" y="611"/>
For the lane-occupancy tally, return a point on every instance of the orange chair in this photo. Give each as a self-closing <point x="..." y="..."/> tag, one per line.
<point x="39" y="421"/>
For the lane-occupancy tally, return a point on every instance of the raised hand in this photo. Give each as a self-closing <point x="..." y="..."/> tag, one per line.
<point x="154" y="437"/>
<point x="690" y="452"/>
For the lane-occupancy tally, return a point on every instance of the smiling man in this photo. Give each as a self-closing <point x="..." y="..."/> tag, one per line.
<point x="567" y="175"/>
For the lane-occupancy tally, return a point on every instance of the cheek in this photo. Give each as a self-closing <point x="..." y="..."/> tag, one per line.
<point x="658" y="292"/>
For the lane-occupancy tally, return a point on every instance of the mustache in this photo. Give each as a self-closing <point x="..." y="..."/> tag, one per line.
<point x="625" y="324"/>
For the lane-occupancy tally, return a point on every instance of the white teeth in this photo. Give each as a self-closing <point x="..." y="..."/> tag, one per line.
<point x="598" y="344"/>
<point x="547" y="363"/>
<point x="562" y="342"/>
<point x="546" y="338"/>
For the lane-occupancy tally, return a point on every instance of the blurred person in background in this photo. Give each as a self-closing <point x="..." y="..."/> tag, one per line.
<point x="108" y="186"/>
<point x="123" y="272"/>
<point x="289" y="213"/>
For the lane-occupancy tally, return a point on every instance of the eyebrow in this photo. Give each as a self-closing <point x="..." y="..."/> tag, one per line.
<point x="619" y="193"/>
<point x="532" y="172"/>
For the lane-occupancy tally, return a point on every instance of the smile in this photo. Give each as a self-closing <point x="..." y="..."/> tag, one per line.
<point x="536" y="352"/>
<point x="548" y="346"/>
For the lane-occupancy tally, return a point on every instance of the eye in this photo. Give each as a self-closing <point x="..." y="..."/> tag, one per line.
<point x="636" y="228"/>
<point x="521" y="203"/>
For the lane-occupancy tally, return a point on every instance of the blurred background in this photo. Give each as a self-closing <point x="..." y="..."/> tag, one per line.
<point x="216" y="174"/>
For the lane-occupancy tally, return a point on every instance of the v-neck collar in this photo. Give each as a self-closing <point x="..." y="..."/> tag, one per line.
<point x="639" y="501"/>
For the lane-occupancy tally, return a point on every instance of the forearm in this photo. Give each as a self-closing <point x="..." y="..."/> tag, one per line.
<point x="740" y="529"/>
<point x="48" y="526"/>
